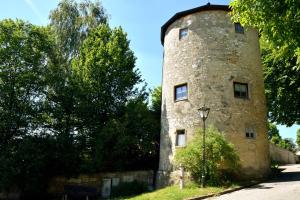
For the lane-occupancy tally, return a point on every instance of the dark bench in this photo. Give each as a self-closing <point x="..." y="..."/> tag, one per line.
<point x="78" y="191"/>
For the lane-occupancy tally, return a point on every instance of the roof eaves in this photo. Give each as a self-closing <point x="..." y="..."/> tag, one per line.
<point x="187" y="12"/>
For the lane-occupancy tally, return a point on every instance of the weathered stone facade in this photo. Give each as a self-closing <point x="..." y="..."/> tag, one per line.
<point x="209" y="60"/>
<point x="282" y="156"/>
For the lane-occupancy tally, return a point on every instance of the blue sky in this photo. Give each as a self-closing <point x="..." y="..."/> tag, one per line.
<point x="141" y="19"/>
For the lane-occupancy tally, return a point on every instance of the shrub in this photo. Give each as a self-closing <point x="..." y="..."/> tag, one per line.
<point x="222" y="161"/>
<point x="129" y="189"/>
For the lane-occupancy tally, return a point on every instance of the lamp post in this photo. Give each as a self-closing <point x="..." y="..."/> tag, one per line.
<point x="203" y="112"/>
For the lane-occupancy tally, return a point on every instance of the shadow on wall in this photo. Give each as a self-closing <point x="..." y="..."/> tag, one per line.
<point x="165" y="150"/>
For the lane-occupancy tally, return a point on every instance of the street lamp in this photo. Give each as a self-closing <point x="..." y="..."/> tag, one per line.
<point x="203" y="112"/>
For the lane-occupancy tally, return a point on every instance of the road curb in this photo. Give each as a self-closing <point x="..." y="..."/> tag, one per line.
<point x="224" y="192"/>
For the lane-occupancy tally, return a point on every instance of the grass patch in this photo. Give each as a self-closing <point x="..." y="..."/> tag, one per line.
<point x="174" y="193"/>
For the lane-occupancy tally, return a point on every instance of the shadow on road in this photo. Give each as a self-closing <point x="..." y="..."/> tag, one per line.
<point x="288" y="173"/>
<point x="286" y="177"/>
<point x="258" y="187"/>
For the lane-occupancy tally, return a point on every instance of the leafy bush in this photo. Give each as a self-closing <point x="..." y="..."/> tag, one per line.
<point x="222" y="161"/>
<point x="275" y="170"/>
<point x="129" y="189"/>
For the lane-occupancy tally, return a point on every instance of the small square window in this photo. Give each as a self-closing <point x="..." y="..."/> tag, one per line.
<point x="181" y="92"/>
<point x="183" y="33"/>
<point x="250" y="133"/>
<point x="240" y="90"/>
<point x="247" y="134"/>
<point x="239" y="28"/>
<point x="180" y="138"/>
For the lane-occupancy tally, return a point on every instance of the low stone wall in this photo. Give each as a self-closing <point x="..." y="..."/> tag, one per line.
<point x="103" y="182"/>
<point x="10" y="196"/>
<point x="281" y="155"/>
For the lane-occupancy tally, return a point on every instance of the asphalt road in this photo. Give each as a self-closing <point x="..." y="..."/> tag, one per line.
<point x="285" y="187"/>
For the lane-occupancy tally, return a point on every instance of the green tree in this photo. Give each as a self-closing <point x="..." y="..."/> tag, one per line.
<point x="156" y="101"/>
<point x="106" y="74"/>
<point x="132" y="140"/>
<point x="273" y="134"/>
<point x="279" y="24"/>
<point x="24" y="51"/>
<point x="69" y="102"/>
<point x="105" y="77"/>
<point x="272" y="131"/>
<point x="70" y="24"/>
<point x="288" y="143"/>
<point x="298" y="138"/>
<point x="222" y="161"/>
<point x="275" y="138"/>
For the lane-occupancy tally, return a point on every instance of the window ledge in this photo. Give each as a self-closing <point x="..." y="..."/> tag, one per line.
<point x="180" y="147"/>
<point x="251" y="139"/>
<point x="186" y="99"/>
<point x="242" y="98"/>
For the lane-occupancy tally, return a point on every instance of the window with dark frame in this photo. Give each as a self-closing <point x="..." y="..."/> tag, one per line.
<point x="180" y="138"/>
<point x="181" y="92"/>
<point x="239" y="28"/>
<point x="183" y="33"/>
<point x="240" y="90"/>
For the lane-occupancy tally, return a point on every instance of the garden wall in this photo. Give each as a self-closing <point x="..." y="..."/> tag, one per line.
<point x="281" y="155"/>
<point x="103" y="182"/>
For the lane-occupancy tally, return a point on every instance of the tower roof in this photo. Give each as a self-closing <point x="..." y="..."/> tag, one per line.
<point x="188" y="12"/>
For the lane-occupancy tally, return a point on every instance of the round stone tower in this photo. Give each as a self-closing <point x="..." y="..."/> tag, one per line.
<point x="209" y="60"/>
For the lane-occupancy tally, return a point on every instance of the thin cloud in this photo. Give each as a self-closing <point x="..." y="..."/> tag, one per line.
<point x="35" y="10"/>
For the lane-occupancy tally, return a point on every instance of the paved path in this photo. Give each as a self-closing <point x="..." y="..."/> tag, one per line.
<point x="285" y="187"/>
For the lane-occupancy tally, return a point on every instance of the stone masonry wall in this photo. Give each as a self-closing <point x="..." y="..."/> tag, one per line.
<point x="56" y="186"/>
<point x="282" y="156"/>
<point x="209" y="60"/>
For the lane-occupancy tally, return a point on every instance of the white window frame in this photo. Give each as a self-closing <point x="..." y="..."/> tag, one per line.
<point x="178" y="97"/>
<point x="182" y="133"/>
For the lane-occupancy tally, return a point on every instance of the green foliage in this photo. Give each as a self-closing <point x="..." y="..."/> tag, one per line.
<point x="156" y="101"/>
<point x="71" y="23"/>
<point x="279" y="24"/>
<point x="104" y="73"/>
<point x="133" y="140"/>
<point x="25" y="52"/>
<point x="28" y="164"/>
<point x="298" y="138"/>
<point x="275" y="138"/>
<point x="275" y="170"/>
<point x="104" y="76"/>
<point x="173" y="192"/>
<point x="23" y="56"/>
<point x="282" y="86"/>
<point x="273" y="134"/>
<point x="288" y="143"/>
<point x="222" y="161"/>
<point x="68" y="101"/>
<point x="129" y="189"/>
<point x="272" y="131"/>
